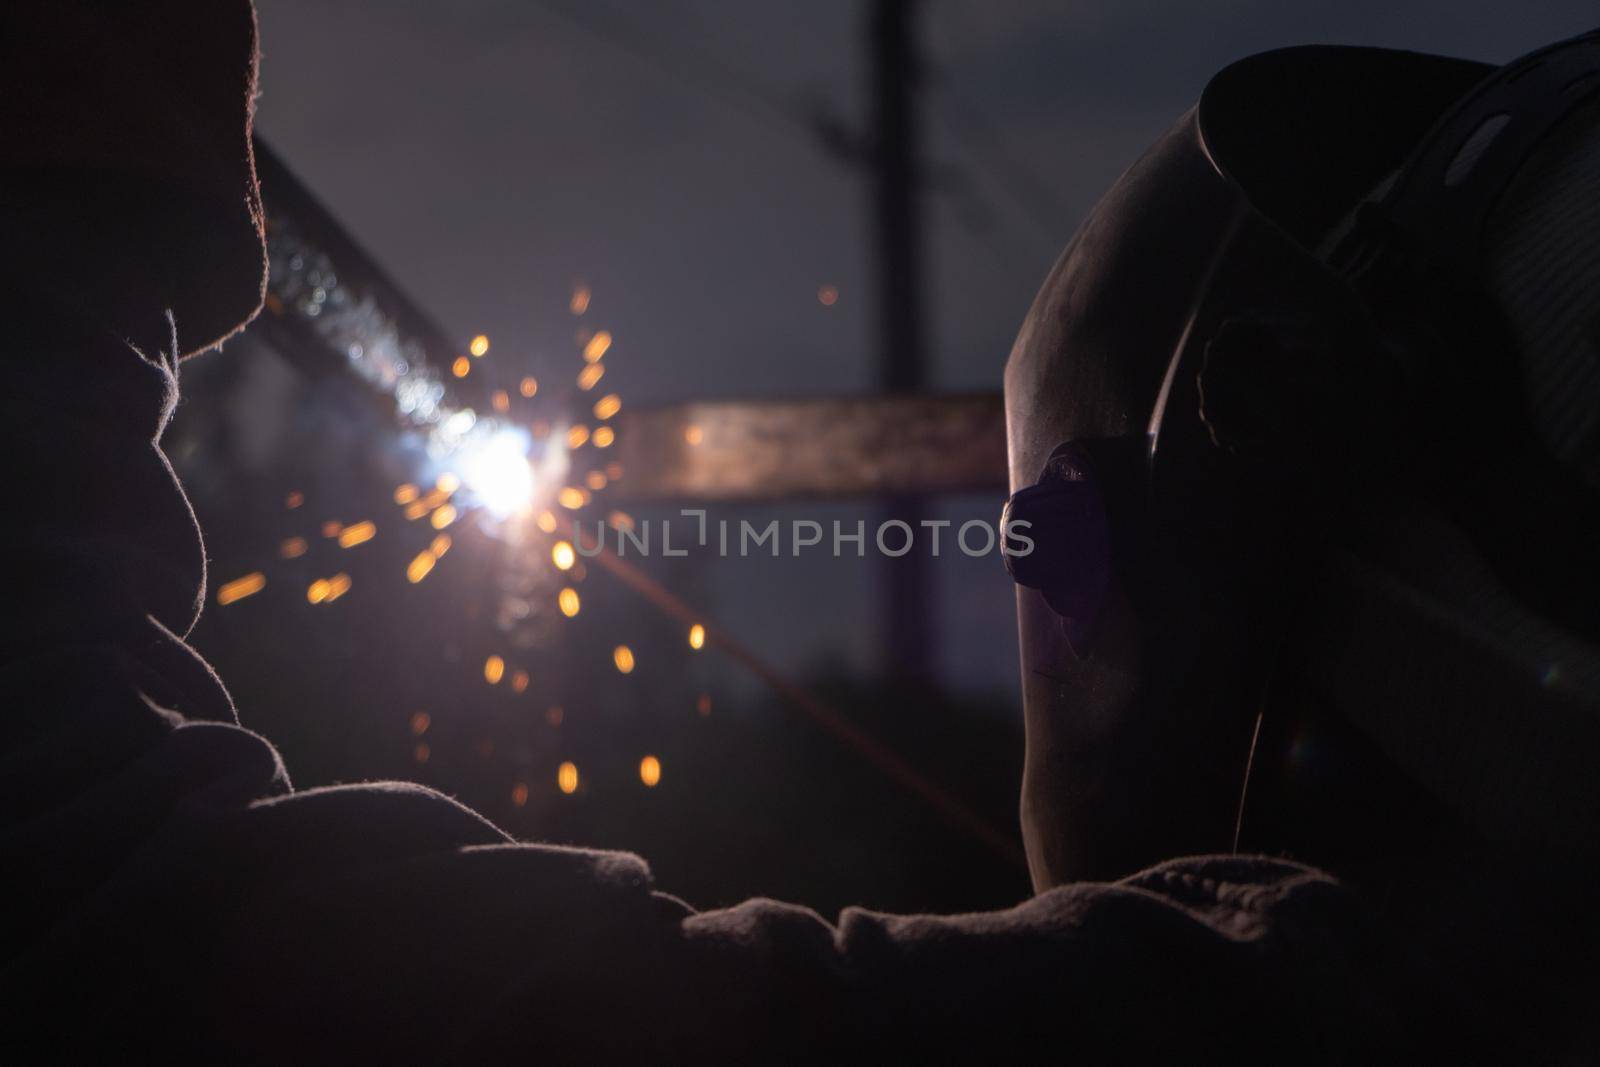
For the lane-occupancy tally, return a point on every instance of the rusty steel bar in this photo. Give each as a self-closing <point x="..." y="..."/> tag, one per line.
<point x="785" y="449"/>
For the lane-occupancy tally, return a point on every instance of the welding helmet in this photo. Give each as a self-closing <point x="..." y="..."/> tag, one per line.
<point x="1305" y="425"/>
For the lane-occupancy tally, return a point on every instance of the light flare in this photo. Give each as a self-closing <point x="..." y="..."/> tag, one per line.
<point x="497" y="474"/>
<point x="358" y="534"/>
<point x="650" y="772"/>
<point x="563" y="555"/>
<point x="239" y="588"/>
<point x="419" y="567"/>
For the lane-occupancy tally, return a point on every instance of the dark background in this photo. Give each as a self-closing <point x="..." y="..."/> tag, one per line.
<point x="491" y="155"/>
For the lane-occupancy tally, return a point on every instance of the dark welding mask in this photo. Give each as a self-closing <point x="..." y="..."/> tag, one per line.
<point x="1308" y="415"/>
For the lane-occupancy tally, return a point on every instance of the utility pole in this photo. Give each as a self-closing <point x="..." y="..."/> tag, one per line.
<point x="908" y="626"/>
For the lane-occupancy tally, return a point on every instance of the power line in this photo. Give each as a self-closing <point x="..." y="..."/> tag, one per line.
<point x="769" y="106"/>
<point x="982" y="142"/>
<point x="983" y="145"/>
<point x="699" y="69"/>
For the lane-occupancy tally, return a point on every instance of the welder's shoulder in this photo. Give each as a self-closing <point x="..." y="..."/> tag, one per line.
<point x="145" y="747"/>
<point x="165" y="860"/>
<point x="434" y="937"/>
<point x="83" y="736"/>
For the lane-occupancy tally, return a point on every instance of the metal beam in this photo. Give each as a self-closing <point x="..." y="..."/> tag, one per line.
<point x="786" y="449"/>
<point x="884" y="446"/>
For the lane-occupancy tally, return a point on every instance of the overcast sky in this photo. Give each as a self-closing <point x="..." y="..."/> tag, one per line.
<point x="489" y="152"/>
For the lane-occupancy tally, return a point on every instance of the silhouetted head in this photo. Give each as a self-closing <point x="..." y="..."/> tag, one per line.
<point x="1307" y="423"/>
<point x="125" y="162"/>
